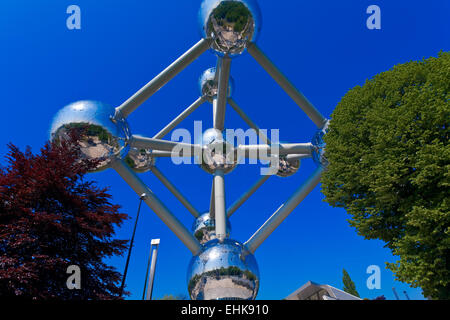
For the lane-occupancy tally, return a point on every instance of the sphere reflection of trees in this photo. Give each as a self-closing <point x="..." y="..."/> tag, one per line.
<point x="204" y="228"/>
<point x="287" y="168"/>
<point x="209" y="85"/>
<point x="218" y="154"/>
<point x="223" y="270"/>
<point x="140" y="160"/>
<point x="99" y="136"/>
<point x="230" y="23"/>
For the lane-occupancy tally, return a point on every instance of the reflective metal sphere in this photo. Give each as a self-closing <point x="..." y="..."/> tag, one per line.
<point x="218" y="154"/>
<point x="209" y="85"/>
<point x="223" y="271"/>
<point x="319" y="146"/>
<point x="140" y="160"/>
<point x="100" y="137"/>
<point x="230" y="23"/>
<point x="204" y="228"/>
<point x="288" y="168"/>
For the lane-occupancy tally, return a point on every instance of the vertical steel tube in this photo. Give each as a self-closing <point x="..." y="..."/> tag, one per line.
<point x="180" y="118"/>
<point x="212" y="204"/>
<point x="175" y="192"/>
<point x="220" y="210"/>
<point x="160" y="80"/>
<point x="287" y="86"/>
<point x="151" y="277"/>
<point x="157" y="206"/>
<point x="146" y="273"/>
<point x="222" y="93"/>
<point x="283" y="212"/>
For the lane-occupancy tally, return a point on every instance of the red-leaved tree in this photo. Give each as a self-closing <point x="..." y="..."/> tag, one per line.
<point x="52" y="218"/>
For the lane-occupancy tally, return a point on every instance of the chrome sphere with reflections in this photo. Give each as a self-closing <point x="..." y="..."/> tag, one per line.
<point x="319" y="146"/>
<point x="204" y="228"/>
<point x="140" y="160"/>
<point x="218" y="154"/>
<point x="209" y="84"/>
<point x="100" y="137"/>
<point x="223" y="271"/>
<point x="288" y="168"/>
<point x="230" y="23"/>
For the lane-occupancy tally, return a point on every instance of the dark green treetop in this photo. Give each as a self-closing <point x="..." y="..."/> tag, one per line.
<point x="349" y="285"/>
<point x="390" y="168"/>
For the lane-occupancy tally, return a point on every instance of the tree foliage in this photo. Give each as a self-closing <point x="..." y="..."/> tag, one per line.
<point x="349" y="285"/>
<point x="390" y="168"/>
<point x="51" y="218"/>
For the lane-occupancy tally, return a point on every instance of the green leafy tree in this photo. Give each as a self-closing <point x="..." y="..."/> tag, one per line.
<point x="390" y="168"/>
<point x="349" y="285"/>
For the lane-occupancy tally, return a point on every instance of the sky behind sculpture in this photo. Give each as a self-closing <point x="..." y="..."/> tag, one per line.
<point x="324" y="48"/>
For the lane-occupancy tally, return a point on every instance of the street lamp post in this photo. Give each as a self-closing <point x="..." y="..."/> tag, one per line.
<point x="152" y="265"/>
<point x="122" y="286"/>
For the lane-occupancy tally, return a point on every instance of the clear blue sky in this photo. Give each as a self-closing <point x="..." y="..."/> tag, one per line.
<point x="324" y="47"/>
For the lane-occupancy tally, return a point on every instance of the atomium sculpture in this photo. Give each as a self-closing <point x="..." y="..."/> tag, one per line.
<point x="221" y="268"/>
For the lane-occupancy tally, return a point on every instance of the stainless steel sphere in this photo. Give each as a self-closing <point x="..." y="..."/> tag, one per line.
<point x="209" y="84"/>
<point x="218" y="154"/>
<point x="140" y="160"/>
<point x="223" y="271"/>
<point x="319" y="146"/>
<point x="100" y="137"/>
<point x="230" y="23"/>
<point x="204" y="228"/>
<point x="288" y="168"/>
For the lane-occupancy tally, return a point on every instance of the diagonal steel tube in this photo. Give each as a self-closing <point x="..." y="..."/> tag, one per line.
<point x="164" y="145"/>
<point x="220" y="103"/>
<point x="157" y="206"/>
<point x="284" y="211"/>
<point x="163" y="78"/>
<point x="175" y="192"/>
<point x="287" y="86"/>
<point x="219" y="201"/>
<point x="246" y="196"/>
<point x="249" y="121"/>
<point x="180" y="118"/>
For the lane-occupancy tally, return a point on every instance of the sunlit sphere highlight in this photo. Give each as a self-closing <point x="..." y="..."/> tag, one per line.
<point x="209" y="84"/>
<point x="319" y="147"/>
<point x="99" y="136"/>
<point x="204" y="228"/>
<point x="230" y="23"/>
<point x="218" y="154"/>
<point x="140" y="160"/>
<point x="223" y="271"/>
